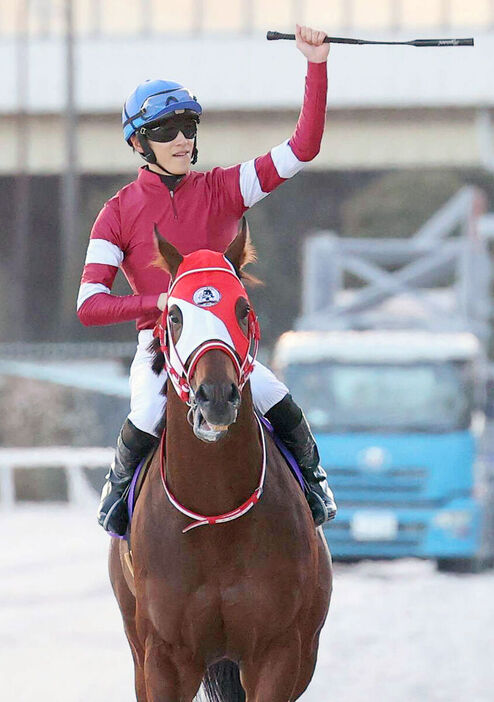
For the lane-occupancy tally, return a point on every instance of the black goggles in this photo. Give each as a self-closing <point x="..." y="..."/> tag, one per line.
<point x="169" y="129"/>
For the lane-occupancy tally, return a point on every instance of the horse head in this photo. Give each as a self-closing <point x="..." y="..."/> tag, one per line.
<point x="208" y="330"/>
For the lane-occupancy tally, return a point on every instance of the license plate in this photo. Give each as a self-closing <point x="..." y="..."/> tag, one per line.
<point x="374" y="526"/>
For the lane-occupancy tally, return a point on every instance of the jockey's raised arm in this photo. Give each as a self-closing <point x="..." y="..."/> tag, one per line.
<point x="262" y="175"/>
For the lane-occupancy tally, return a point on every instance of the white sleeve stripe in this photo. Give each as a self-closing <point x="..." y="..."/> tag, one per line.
<point x="285" y="161"/>
<point x="249" y="184"/>
<point x="87" y="290"/>
<point x="103" y="251"/>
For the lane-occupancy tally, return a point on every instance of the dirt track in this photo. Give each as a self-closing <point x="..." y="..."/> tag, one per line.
<point x="397" y="632"/>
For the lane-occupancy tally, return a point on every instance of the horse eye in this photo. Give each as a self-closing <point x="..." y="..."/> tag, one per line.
<point x="174" y="318"/>
<point x="242" y="310"/>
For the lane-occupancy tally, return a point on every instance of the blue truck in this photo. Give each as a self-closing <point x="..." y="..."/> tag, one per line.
<point x="398" y="417"/>
<point x="389" y="361"/>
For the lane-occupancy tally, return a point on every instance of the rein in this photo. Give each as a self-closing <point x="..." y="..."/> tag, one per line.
<point x="203" y="519"/>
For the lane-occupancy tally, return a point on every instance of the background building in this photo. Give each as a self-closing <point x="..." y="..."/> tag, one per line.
<point x="69" y="65"/>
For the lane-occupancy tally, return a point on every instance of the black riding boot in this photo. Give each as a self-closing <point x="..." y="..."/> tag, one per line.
<point x="132" y="445"/>
<point x="291" y="426"/>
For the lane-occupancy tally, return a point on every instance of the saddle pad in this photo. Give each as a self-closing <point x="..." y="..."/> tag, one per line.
<point x="287" y="455"/>
<point x="132" y="493"/>
<point x="136" y="484"/>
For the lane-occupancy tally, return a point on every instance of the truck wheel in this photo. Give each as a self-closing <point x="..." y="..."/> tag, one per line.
<point x="459" y="565"/>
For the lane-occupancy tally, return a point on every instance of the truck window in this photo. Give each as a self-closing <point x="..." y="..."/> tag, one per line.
<point x="429" y="397"/>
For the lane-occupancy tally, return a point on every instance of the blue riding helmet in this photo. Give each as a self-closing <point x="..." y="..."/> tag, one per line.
<point x="153" y="100"/>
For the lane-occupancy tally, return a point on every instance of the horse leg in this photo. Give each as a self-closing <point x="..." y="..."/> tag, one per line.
<point x="273" y="675"/>
<point x="138" y="656"/>
<point x="168" y="679"/>
<point x="314" y="620"/>
<point x="127" y="603"/>
<point x="306" y="670"/>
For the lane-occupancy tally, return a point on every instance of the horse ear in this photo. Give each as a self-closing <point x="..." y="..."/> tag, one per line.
<point x="235" y="252"/>
<point x="170" y="258"/>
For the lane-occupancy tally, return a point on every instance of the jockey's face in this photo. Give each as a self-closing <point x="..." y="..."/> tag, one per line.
<point x="174" y="155"/>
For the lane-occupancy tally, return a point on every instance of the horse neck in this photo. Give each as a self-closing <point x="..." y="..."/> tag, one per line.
<point x="212" y="477"/>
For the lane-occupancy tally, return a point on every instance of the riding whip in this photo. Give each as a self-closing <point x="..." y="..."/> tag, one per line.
<point x="271" y="36"/>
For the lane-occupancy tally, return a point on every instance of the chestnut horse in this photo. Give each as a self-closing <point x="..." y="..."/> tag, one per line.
<point x="237" y="605"/>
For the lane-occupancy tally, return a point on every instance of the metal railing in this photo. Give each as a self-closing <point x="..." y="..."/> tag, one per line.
<point x="447" y="253"/>
<point x="73" y="460"/>
<point x="53" y="351"/>
<point x="113" y="18"/>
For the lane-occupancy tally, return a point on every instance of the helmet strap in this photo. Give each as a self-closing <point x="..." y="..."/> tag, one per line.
<point x="195" y="151"/>
<point x="147" y="152"/>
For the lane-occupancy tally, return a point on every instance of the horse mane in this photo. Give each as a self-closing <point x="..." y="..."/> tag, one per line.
<point x="157" y="366"/>
<point x="249" y="255"/>
<point x="158" y="358"/>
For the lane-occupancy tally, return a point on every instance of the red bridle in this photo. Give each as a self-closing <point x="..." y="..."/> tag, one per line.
<point x="180" y="371"/>
<point x="242" y="355"/>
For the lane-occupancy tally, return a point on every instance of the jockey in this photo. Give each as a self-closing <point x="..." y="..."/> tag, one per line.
<point x="193" y="210"/>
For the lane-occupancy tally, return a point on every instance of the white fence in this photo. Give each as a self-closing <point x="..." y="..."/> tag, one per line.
<point x="72" y="460"/>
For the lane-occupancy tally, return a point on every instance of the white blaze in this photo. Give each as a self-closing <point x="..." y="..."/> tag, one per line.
<point x="199" y="326"/>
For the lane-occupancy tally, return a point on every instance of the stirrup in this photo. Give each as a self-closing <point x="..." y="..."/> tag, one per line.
<point x="321" y="503"/>
<point x="113" y="510"/>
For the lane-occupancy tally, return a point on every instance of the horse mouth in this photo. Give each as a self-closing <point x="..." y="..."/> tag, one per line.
<point x="206" y="431"/>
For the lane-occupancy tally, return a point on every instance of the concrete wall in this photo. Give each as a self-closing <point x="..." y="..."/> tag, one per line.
<point x="354" y="139"/>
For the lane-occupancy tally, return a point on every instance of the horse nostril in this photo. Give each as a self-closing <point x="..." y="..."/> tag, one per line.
<point x="234" y="394"/>
<point x="208" y="393"/>
<point x="203" y="393"/>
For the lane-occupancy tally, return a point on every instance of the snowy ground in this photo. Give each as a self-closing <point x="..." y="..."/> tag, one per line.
<point x="397" y="632"/>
